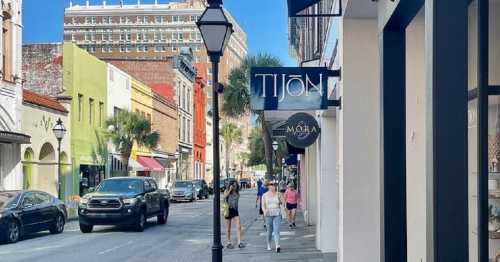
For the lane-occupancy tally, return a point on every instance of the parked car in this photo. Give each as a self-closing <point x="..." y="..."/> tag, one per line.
<point x="25" y="212"/>
<point x="184" y="191"/>
<point x="201" y="188"/>
<point x="211" y="188"/>
<point x="245" y="183"/>
<point x="222" y="185"/>
<point x="126" y="201"/>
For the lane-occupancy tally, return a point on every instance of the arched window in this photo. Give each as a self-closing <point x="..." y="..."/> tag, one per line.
<point x="29" y="155"/>
<point x="7" y="47"/>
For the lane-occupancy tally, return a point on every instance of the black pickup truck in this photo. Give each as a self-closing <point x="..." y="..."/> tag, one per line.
<point x="127" y="201"/>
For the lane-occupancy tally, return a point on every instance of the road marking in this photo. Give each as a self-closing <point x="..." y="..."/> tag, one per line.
<point x="115" y="248"/>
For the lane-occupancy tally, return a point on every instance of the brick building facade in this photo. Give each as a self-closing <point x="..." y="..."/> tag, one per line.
<point x="199" y="122"/>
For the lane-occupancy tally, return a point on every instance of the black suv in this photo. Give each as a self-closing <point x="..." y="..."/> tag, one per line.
<point x="201" y="188"/>
<point x="123" y="201"/>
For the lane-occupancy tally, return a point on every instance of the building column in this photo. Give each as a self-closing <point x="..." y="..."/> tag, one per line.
<point x="393" y="92"/>
<point x="447" y="49"/>
<point x="359" y="142"/>
<point x="328" y="206"/>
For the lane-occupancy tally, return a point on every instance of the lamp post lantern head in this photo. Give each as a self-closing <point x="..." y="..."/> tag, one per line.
<point x="275" y="145"/>
<point x="59" y="130"/>
<point x="215" y="29"/>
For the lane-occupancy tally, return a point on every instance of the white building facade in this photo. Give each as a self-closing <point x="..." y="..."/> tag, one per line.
<point x="185" y="75"/>
<point x="407" y="168"/>
<point x="11" y="96"/>
<point x="119" y="99"/>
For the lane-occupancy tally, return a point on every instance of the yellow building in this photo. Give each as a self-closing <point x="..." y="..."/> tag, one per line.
<point x="142" y="160"/>
<point x="142" y="103"/>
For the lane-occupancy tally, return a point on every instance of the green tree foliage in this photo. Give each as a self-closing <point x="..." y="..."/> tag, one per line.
<point x="127" y="129"/>
<point x="237" y="98"/>
<point x="232" y="135"/>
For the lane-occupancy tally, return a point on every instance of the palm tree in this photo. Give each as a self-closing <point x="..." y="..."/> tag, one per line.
<point x="232" y="135"/>
<point x="127" y="129"/>
<point x="237" y="99"/>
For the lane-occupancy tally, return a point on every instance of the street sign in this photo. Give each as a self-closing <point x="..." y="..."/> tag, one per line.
<point x="289" y="88"/>
<point x="302" y="130"/>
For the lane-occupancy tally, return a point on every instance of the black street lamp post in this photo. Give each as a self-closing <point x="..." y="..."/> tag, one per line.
<point x="216" y="31"/>
<point x="59" y="131"/>
<point x="275" y="162"/>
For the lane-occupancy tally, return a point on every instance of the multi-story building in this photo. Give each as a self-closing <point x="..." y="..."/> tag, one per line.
<point x="165" y="122"/>
<point x="199" y="122"/>
<point x="147" y="31"/>
<point x="185" y="76"/>
<point x="407" y="168"/>
<point x="209" y="149"/>
<point x="119" y="93"/>
<point x="11" y="96"/>
<point x="85" y="82"/>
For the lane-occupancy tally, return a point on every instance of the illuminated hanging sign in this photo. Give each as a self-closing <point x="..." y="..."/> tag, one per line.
<point x="289" y="88"/>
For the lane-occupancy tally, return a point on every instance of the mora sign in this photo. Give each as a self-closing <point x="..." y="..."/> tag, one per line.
<point x="289" y="88"/>
<point x="302" y="130"/>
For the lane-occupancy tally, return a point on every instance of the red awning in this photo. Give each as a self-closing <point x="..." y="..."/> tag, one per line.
<point x="149" y="164"/>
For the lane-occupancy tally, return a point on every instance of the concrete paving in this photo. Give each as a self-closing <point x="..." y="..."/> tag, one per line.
<point x="186" y="237"/>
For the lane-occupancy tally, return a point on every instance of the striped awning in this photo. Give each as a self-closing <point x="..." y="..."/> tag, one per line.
<point x="295" y="6"/>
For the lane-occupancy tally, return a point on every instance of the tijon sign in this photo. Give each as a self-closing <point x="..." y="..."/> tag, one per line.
<point x="289" y="88"/>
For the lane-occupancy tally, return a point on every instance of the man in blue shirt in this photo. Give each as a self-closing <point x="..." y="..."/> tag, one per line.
<point x="261" y="190"/>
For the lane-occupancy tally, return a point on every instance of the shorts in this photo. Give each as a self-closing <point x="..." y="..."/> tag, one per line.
<point x="233" y="212"/>
<point x="291" y="206"/>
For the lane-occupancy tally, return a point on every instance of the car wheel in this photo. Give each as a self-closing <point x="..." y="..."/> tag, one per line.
<point x="141" y="222"/>
<point x="86" y="228"/>
<point x="162" y="219"/>
<point x="13" y="232"/>
<point x="58" y="226"/>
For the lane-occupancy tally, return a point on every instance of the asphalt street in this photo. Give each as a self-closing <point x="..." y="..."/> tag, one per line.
<point x="186" y="237"/>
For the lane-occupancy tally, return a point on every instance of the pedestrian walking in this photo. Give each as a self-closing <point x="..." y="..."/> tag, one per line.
<point x="261" y="190"/>
<point x="292" y="199"/>
<point x="282" y="186"/>
<point x="232" y="197"/>
<point x="271" y="204"/>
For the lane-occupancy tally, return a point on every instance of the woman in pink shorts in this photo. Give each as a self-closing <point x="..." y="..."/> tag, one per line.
<point x="292" y="198"/>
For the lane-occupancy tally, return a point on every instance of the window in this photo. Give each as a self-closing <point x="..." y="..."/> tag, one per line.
<point x="148" y="117"/>
<point x="122" y="49"/>
<point x="101" y="114"/>
<point x="128" y="49"/>
<point x="175" y="18"/>
<point x="80" y="107"/>
<point x="145" y="20"/>
<point x="122" y="19"/>
<point x="189" y="130"/>
<point x="93" y="20"/>
<point x="91" y="111"/>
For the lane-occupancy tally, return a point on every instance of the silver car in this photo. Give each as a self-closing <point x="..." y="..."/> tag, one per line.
<point x="183" y="191"/>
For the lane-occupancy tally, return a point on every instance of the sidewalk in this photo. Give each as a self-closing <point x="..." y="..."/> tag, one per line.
<point x="296" y="245"/>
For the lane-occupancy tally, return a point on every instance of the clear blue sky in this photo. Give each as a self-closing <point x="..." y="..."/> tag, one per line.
<point x="265" y="22"/>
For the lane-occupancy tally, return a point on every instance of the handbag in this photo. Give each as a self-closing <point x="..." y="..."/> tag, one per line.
<point x="224" y="209"/>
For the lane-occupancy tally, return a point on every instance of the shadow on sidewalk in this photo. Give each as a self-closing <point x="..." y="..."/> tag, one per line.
<point x="296" y="245"/>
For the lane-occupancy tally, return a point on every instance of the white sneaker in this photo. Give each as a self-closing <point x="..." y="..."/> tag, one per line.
<point x="268" y="247"/>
